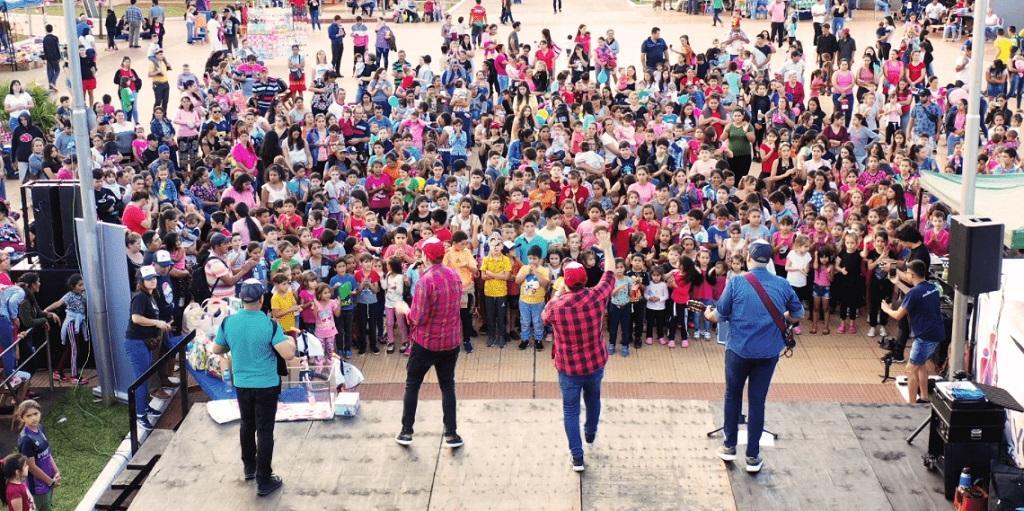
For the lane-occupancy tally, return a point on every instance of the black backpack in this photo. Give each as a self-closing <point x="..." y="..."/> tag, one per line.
<point x="199" y="288"/>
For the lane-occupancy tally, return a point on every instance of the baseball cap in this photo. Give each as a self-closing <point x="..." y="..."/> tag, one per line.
<point x="163" y="258"/>
<point x="147" y="272"/>
<point x="433" y="249"/>
<point x="575" y="274"/>
<point x="761" y="251"/>
<point x="219" y="239"/>
<point x="164" y="149"/>
<point x="251" y="291"/>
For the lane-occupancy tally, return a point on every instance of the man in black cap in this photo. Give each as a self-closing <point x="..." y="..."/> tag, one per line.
<point x="253" y="338"/>
<point x="753" y="347"/>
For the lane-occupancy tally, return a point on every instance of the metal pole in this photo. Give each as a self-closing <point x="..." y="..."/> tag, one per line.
<point x="973" y="128"/>
<point x="88" y="250"/>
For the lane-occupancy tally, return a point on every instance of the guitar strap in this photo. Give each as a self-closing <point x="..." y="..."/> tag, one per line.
<point x="767" y="302"/>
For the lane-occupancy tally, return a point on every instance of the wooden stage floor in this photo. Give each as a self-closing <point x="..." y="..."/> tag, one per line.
<point x="649" y="455"/>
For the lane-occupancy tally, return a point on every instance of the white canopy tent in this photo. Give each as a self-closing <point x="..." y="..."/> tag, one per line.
<point x="1000" y="198"/>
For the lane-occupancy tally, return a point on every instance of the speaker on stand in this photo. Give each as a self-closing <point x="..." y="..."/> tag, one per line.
<point x="975" y="254"/>
<point x="55" y="206"/>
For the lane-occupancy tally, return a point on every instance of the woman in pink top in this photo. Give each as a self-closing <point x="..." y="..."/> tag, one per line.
<point x="244" y="153"/>
<point x="241" y="191"/>
<point x="643" y="186"/>
<point x="187" y="122"/>
<point x="842" y="90"/>
<point x="892" y="71"/>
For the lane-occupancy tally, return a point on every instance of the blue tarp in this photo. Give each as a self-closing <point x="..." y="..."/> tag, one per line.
<point x="10" y="5"/>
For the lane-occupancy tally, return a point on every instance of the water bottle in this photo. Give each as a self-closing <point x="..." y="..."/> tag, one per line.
<point x="965" y="478"/>
<point x="227" y="377"/>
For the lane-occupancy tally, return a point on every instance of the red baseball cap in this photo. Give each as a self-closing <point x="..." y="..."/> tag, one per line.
<point x="575" y="275"/>
<point x="433" y="249"/>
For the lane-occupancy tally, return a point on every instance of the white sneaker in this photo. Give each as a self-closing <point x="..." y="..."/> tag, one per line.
<point x="882" y="332"/>
<point x="871" y="332"/>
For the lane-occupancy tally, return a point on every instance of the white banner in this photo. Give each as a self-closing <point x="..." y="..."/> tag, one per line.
<point x="1000" y="353"/>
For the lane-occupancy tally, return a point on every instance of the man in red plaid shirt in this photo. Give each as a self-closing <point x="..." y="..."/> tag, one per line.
<point x="435" y="327"/>
<point x="579" y="351"/>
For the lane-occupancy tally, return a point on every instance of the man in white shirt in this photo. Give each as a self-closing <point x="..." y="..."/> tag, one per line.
<point x="794" y="65"/>
<point x="337" y="107"/>
<point x="934" y="12"/>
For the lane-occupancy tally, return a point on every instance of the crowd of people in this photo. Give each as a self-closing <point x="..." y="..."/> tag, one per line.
<point x="517" y="156"/>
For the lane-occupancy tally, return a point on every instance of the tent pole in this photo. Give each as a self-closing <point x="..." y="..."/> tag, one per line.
<point x="88" y="245"/>
<point x="973" y="128"/>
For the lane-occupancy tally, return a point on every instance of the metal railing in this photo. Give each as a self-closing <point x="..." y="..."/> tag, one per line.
<point x="6" y="384"/>
<point x="177" y="350"/>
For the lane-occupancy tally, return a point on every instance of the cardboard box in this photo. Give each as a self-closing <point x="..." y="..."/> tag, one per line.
<point x="346" y="404"/>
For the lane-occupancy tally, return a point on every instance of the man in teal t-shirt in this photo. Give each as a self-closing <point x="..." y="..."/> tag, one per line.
<point x="253" y="338"/>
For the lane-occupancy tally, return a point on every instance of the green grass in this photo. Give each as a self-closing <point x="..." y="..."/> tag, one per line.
<point x="84" y="443"/>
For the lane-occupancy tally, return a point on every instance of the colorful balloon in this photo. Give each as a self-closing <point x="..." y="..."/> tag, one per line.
<point x="344" y="290"/>
<point x="393" y="101"/>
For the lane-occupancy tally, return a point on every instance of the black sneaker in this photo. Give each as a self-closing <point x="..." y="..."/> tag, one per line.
<point x="404" y="439"/>
<point x="539" y="345"/>
<point x="453" y="441"/>
<point x="249" y="473"/>
<point x="590" y="437"/>
<point x="577" y="464"/>
<point x="375" y="350"/>
<point x="468" y="346"/>
<point x="490" y="343"/>
<point x="899" y="359"/>
<point x="270" y="485"/>
<point x="524" y="344"/>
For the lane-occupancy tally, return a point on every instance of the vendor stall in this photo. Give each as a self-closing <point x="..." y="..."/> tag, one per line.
<point x="272" y="32"/>
<point x="21" y="54"/>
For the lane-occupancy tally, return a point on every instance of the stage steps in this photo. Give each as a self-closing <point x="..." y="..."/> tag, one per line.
<point x="124" y="488"/>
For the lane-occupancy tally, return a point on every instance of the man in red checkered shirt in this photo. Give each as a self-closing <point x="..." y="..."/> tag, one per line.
<point x="579" y="351"/>
<point x="435" y="327"/>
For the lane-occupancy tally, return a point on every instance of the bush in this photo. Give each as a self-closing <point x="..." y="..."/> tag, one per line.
<point x="44" y="114"/>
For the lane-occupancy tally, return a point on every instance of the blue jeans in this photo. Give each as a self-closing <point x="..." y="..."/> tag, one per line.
<point x="382" y="56"/>
<point x="529" y="321"/>
<point x="590" y="386"/>
<point x="1016" y="88"/>
<point x="737" y="371"/>
<point x="190" y="31"/>
<point x="140" y="358"/>
<point x="619" y="319"/>
<point x="314" y="18"/>
<point x="6" y="340"/>
<point x="837" y="25"/>
<point x="502" y="83"/>
<point x="700" y="322"/>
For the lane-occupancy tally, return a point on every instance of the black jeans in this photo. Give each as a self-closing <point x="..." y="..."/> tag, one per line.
<point x="778" y="33"/>
<point x="337" y="50"/>
<point x="420" y="361"/>
<point x="366" y="319"/>
<point x="344" y="325"/>
<point x="639" y="310"/>
<point x="161" y="95"/>
<point x="258" y="408"/>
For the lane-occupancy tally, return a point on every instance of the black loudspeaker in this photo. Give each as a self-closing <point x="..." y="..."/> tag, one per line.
<point x="54" y="209"/>
<point x="975" y="254"/>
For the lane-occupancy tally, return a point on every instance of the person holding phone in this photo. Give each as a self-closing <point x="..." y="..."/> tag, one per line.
<point x="580" y="354"/>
